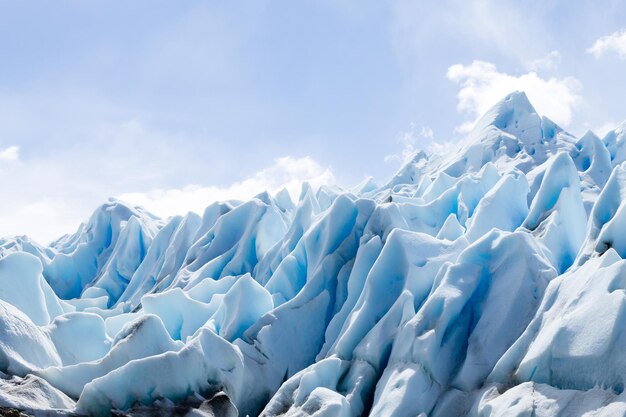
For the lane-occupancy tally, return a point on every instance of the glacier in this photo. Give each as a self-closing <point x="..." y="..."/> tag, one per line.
<point x="485" y="281"/>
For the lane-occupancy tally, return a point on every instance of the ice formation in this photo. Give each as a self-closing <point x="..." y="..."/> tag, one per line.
<point x="489" y="281"/>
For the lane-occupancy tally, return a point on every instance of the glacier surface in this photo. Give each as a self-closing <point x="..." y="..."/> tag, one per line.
<point x="488" y="281"/>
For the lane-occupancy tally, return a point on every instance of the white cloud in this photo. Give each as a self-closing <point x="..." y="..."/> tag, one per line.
<point x="41" y="208"/>
<point x="616" y="42"/>
<point x="49" y="191"/>
<point x="482" y="85"/>
<point x="286" y="172"/>
<point x="12" y="153"/>
<point x="549" y="62"/>
<point x="43" y="219"/>
<point x="412" y="141"/>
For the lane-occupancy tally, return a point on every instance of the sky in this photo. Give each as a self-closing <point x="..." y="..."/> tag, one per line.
<point x="173" y="105"/>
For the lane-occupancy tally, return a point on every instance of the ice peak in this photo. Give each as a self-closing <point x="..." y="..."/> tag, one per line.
<point x="513" y="114"/>
<point x="518" y="99"/>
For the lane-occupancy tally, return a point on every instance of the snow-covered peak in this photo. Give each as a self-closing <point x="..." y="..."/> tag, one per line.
<point x="515" y="115"/>
<point x="511" y="135"/>
<point x="90" y="248"/>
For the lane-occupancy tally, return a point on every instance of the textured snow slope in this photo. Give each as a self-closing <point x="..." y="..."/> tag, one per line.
<point x="489" y="281"/>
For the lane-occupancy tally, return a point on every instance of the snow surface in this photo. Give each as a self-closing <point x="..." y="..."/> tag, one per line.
<point x="489" y="281"/>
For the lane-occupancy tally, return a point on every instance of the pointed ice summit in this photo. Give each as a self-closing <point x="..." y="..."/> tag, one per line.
<point x="487" y="281"/>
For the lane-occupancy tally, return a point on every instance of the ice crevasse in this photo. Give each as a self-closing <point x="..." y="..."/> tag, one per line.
<point x="489" y="281"/>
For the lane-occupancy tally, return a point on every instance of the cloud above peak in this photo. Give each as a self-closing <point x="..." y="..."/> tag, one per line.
<point x="615" y="43"/>
<point x="482" y="85"/>
<point x="12" y="153"/>
<point x="285" y="173"/>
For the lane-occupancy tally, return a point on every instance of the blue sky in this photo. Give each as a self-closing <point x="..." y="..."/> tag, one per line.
<point x="175" y="104"/>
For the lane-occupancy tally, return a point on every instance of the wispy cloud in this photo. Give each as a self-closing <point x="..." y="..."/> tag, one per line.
<point x="615" y="43"/>
<point x="482" y="85"/>
<point x="49" y="198"/>
<point x="549" y="62"/>
<point x="412" y="141"/>
<point x="12" y="153"/>
<point x="286" y="172"/>
<point x="504" y="28"/>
